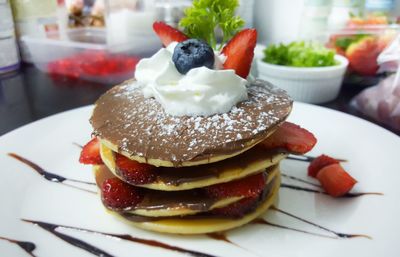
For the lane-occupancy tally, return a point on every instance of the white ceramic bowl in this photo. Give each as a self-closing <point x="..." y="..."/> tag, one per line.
<point x="310" y="85"/>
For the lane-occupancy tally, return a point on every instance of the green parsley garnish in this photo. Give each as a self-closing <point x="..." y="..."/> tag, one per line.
<point x="206" y="16"/>
<point x="300" y="54"/>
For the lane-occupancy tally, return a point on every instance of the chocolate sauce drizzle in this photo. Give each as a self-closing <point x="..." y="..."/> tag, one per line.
<point x="77" y="145"/>
<point x="300" y="180"/>
<point x="338" y="234"/>
<point x="69" y="239"/>
<point x="307" y="158"/>
<point x="98" y="252"/>
<point x="28" y="247"/>
<point x="52" y="177"/>
<point x="265" y="222"/>
<point x="310" y="190"/>
<point x="220" y="236"/>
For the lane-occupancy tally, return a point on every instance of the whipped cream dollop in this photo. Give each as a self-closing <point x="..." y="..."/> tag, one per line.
<point x="202" y="91"/>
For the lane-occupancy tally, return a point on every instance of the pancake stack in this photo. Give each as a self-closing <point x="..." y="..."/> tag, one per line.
<point x="203" y="174"/>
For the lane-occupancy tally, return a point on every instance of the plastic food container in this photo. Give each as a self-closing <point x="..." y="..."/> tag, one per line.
<point x="310" y="85"/>
<point x="89" y="57"/>
<point x="361" y="45"/>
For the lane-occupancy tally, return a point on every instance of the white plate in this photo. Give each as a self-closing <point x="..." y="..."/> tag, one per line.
<point x="372" y="154"/>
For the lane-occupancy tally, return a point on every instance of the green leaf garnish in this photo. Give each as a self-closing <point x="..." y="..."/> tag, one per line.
<point x="206" y="16"/>
<point x="300" y="54"/>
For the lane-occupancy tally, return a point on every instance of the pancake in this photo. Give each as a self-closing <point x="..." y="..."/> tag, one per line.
<point x="204" y="225"/>
<point x="138" y="127"/>
<point x="160" y="204"/>
<point x="252" y="161"/>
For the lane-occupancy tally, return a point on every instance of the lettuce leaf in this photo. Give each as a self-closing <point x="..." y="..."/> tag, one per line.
<point x="299" y="54"/>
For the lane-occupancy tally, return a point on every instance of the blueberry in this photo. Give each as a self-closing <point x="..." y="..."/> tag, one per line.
<point x="192" y="53"/>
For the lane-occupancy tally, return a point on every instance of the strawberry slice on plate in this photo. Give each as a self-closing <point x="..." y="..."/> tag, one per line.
<point x="320" y="162"/>
<point x="134" y="172"/>
<point x="117" y="194"/>
<point x="335" y="180"/>
<point x="239" y="52"/>
<point x="237" y="209"/>
<point x="292" y="138"/>
<point x="90" y="153"/>
<point x="250" y="186"/>
<point x="168" y="34"/>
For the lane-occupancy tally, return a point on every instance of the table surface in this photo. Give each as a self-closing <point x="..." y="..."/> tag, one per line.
<point x="29" y="94"/>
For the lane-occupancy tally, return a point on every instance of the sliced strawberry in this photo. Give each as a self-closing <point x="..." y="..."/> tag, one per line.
<point x="239" y="52"/>
<point x="292" y="138"/>
<point x="335" y="180"/>
<point x="237" y="209"/>
<point x="90" y="153"/>
<point x="117" y="194"/>
<point x="318" y="163"/>
<point x="168" y="34"/>
<point x="134" y="172"/>
<point x="250" y="186"/>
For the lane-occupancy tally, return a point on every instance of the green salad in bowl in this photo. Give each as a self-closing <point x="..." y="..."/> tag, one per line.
<point x="308" y="71"/>
<point x="300" y="54"/>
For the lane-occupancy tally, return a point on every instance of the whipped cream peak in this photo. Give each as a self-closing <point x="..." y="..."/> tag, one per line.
<point x="201" y="92"/>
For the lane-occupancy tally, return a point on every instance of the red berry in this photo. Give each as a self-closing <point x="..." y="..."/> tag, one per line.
<point x="117" y="194"/>
<point x="237" y="209"/>
<point x="168" y="34"/>
<point x="134" y="172"/>
<point x="335" y="180"/>
<point x="239" y="52"/>
<point x="90" y="153"/>
<point x="318" y="163"/>
<point x="93" y="63"/>
<point x="363" y="55"/>
<point x="292" y="138"/>
<point x="250" y="186"/>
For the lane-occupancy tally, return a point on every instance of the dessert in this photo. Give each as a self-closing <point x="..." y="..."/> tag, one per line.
<point x="333" y="178"/>
<point x="191" y="146"/>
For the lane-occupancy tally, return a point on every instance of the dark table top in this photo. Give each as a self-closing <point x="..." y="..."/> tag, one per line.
<point x="29" y="94"/>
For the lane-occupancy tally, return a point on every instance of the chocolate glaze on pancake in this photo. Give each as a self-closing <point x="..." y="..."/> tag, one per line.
<point x="178" y="176"/>
<point x="194" y="199"/>
<point x="140" y="127"/>
<point x="203" y="215"/>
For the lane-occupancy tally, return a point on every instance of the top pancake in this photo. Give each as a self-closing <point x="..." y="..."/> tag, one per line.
<point x="139" y="128"/>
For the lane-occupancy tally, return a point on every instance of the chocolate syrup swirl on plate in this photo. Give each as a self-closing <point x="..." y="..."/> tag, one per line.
<point x="220" y="236"/>
<point x="265" y="222"/>
<point x="28" y="247"/>
<point x="49" y="176"/>
<point x="338" y="234"/>
<point x="307" y="158"/>
<point x="97" y="251"/>
<point x="300" y="180"/>
<point x="310" y="190"/>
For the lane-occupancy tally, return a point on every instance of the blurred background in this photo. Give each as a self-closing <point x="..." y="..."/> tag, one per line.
<point x="55" y="34"/>
<point x="59" y="54"/>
